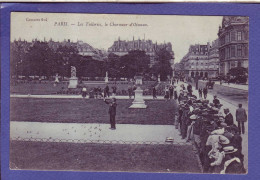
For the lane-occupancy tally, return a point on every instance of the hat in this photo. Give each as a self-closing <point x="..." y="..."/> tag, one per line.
<point x="226" y="109"/>
<point x="223" y="124"/>
<point x="223" y="140"/>
<point x="193" y="117"/>
<point x="229" y="149"/>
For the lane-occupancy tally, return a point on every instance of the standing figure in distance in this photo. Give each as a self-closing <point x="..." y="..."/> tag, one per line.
<point x="130" y="92"/>
<point x="134" y="88"/>
<point x="84" y="92"/>
<point x="112" y="112"/>
<point x="200" y="92"/>
<point x="154" y="93"/>
<point x="241" y="118"/>
<point x="107" y="91"/>
<point x="205" y="92"/>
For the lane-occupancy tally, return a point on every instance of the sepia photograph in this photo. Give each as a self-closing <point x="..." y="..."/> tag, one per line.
<point x="129" y="93"/>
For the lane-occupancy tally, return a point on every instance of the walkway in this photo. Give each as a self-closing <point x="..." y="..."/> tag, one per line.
<point x="97" y="133"/>
<point x="74" y="96"/>
<point x="232" y="85"/>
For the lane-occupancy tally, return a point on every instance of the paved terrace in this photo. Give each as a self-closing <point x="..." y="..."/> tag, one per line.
<point x="97" y="133"/>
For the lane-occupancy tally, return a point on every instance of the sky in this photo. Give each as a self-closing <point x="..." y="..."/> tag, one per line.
<point x="101" y="30"/>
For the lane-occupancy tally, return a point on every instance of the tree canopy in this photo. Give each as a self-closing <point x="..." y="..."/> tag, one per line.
<point x="38" y="59"/>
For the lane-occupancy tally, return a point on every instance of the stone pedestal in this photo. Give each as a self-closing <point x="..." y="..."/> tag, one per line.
<point x="73" y="82"/>
<point x="139" y="100"/>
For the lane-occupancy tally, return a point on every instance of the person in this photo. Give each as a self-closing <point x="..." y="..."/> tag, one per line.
<point x="200" y="92"/>
<point x="134" y="88"/>
<point x="99" y="91"/>
<point x="232" y="163"/>
<point x="228" y="118"/>
<point x="167" y="93"/>
<point x="189" y="88"/>
<point x="106" y="91"/>
<point x="175" y="94"/>
<point x="205" y="92"/>
<point x="130" y="92"/>
<point x="95" y="92"/>
<point x="171" y="91"/>
<point x="241" y="118"/>
<point x="112" y="112"/>
<point x="84" y="92"/>
<point x="114" y="91"/>
<point x="216" y="102"/>
<point x="154" y="93"/>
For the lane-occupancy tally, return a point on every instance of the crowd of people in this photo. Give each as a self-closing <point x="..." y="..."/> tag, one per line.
<point x="217" y="139"/>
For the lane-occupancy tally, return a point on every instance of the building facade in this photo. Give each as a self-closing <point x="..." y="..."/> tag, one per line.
<point x="202" y="60"/>
<point x="213" y="59"/>
<point x="122" y="47"/>
<point x="233" y="47"/>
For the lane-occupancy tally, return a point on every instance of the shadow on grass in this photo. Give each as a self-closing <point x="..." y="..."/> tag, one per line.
<point x="102" y="157"/>
<point x="90" y="111"/>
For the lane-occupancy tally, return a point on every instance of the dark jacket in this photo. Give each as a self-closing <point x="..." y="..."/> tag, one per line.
<point x="241" y="115"/>
<point x="205" y="90"/>
<point x="229" y="119"/>
<point x="112" y="108"/>
<point x="216" y="102"/>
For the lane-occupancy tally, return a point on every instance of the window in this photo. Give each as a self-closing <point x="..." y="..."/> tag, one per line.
<point x="239" y="50"/>
<point x="227" y="38"/>
<point x="222" y="54"/>
<point x="227" y="53"/>
<point x="239" y="36"/>
<point x="246" y="51"/>
<point x="233" y="51"/>
<point x="246" y="35"/>
<point x="233" y="36"/>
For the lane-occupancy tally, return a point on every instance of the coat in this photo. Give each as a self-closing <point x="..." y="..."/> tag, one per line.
<point x="112" y="108"/>
<point x="241" y="115"/>
<point x="229" y="119"/>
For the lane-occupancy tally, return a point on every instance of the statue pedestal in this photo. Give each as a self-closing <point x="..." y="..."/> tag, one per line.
<point x="106" y="79"/>
<point x="139" y="100"/>
<point x="73" y="82"/>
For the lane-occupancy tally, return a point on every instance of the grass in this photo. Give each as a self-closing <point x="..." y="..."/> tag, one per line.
<point x="102" y="157"/>
<point x="89" y="111"/>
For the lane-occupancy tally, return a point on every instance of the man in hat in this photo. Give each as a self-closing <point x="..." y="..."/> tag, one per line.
<point x="205" y="92"/>
<point x="112" y="112"/>
<point x="228" y="118"/>
<point x="241" y="118"/>
<point x="216" y="101"/>
<point x="232" y="164"/>
<point x="189" y="88"/>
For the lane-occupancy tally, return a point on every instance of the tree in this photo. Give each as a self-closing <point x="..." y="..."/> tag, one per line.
<point x="238" y="71"/>
<point x="162" y="65"/>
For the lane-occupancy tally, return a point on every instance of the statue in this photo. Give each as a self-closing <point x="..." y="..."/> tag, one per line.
<point x="56" y="78"/>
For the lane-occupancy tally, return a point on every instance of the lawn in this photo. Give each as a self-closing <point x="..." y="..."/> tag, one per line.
<point x="102" y="157"/>
<point x="90" y="111"/>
